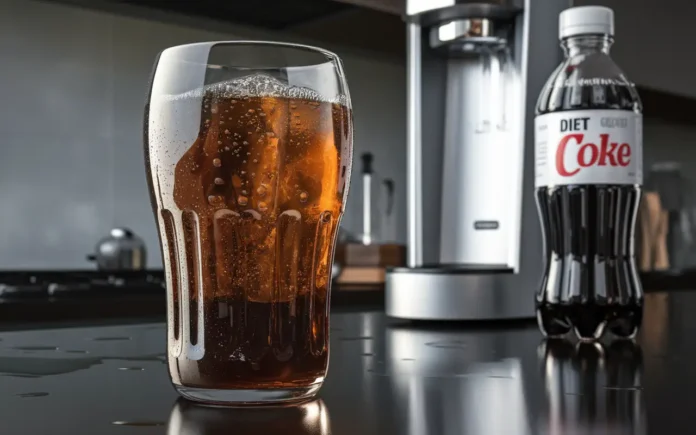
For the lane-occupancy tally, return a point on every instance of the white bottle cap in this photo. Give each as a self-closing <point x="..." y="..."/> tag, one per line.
<point x="586" y="20"/>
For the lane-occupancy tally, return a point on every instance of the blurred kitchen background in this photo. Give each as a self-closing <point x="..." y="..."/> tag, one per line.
<point x="74" y="75"/>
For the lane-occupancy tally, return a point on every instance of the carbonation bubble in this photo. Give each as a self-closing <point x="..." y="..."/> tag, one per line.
<point x="303" y="196"/>
<point x="242" y="200"/>
<point x="219" y="181"/>
<point x="217" y="162"/>
<point x="263" y="206"/>
<point x="215" y="200"/>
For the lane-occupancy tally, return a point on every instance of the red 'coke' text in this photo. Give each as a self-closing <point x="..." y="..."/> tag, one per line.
<point x="589" y="154"/>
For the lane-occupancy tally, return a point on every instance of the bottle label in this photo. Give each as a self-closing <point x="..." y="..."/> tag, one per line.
<point x="588" y="147"/>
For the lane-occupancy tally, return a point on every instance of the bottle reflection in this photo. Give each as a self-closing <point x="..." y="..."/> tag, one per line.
<point x="592" y="388"/>
<point x="188" y="418"/>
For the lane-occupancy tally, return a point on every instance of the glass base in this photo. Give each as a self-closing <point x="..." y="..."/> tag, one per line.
<point x="249" y="397"/>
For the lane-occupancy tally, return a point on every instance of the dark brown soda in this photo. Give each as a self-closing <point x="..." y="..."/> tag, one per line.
<point x="590" y="282"/>
<point x="248" y="217"/>
<point x="246" y="349"/>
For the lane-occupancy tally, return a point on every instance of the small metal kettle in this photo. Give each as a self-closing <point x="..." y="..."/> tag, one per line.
<point x="121" y="250"/>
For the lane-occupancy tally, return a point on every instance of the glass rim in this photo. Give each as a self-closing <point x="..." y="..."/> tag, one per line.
<point x="331" y="57"/>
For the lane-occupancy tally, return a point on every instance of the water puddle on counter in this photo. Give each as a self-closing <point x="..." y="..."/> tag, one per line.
<point x="33" y="367"/>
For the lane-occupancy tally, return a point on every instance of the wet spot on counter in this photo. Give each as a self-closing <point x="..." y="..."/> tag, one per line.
<point x="377" y="373"/>
<point x="18" y="375"/>
<point x="111" y="339"/>
<point x="356" y="338"/>
<point x="447" y="344"/>
<point x="37" y="394"/>
<point x="32" y="348"/>
<point x="137" y="423"/>
<point x="628" y="388"/>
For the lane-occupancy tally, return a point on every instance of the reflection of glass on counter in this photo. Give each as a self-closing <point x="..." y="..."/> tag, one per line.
<point x="188" y="418"/>
<point x="591" y="388"/>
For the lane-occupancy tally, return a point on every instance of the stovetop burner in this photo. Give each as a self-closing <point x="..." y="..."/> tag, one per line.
<point x="49" y="284"/>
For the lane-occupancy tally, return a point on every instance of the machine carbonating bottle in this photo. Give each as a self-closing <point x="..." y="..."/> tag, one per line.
<point x="588" y="176"/>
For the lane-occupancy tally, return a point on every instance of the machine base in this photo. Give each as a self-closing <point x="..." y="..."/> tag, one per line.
<point x="439" y="293"/>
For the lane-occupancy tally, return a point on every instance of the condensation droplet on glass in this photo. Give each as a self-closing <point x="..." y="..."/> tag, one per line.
<point x="252" y="110"/>
<point x="242" y="200"/>
<point x="243" y="161"/>
<point x="244" y="192"/>
<point x="263" y="206"/>
<point x="270" y="134"/>
<point x="243" y="172"/>
<point x="219" y="142"/>
<point x="227" y="131"/>
<point x="214" y="110"/>
<point x="261" y="191"/>
<point x="255" y="161"/>
<point x="296" y="114"/>
<point x="227" y="148"/>
<point x="219" y="181"/>
<point x="245" y="143"/>
<point x="217" y="162"/>
<point x="303" y="196"/>
<point x="235" y="143"/>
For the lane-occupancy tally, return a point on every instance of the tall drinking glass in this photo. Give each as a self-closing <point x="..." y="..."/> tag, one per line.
<point x="248" y="150"/>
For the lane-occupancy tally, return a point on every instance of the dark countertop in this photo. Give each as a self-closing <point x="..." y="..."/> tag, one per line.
<point x="385" y="377"/>
<point x="90" y="303"/>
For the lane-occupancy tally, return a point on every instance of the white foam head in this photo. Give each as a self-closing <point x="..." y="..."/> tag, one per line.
<point x="255" y="85"/>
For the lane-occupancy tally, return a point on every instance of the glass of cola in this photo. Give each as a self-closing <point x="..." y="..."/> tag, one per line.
<point x="248" y="149"/>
